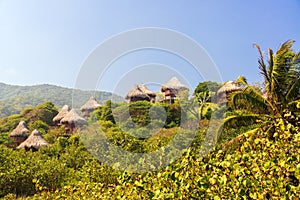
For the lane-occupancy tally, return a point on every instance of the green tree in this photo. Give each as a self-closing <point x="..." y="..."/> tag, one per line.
<point x="203" y="93"/>
<point x="207" y="86"/>
<point x="281" y="93"/>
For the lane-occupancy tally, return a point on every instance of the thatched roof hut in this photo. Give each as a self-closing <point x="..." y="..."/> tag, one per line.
<point x="62" y="113"/>
<point x="20" y="131"/>
<point x="229" y="86"/>
<point x="151" y="94"/>
<point x="19" y="134"/>
<point x="34" y="141"/>
<point x="139" y="93"/>
<point x="171" y="89"/>
<point x="72" y="119"/>
<point x="136" y="92"/>
<point x="174" y="85"/>
<point x="225" y="90"/>
<point x="91" y="105"/>
<point x="144" y="89"/>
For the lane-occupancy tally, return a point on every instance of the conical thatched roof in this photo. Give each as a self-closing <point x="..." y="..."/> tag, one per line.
<point x="91" y="104"/>
<point x="229" y="86"/>
<point x="62" y="113"/>
<point x="20" y="131"/>
<point x="35" y="140"/>
<point x="138" y="92"/>
<point x="174" y="84"/>
<point x="145" y="90"/>
<point x="73" y="118"/>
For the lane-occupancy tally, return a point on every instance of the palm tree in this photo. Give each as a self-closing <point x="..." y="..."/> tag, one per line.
<point x="281" y="94"/>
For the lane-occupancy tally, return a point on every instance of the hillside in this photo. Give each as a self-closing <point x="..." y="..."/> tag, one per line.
<point x="15" y="98"/>
<point x="253" y="165"/>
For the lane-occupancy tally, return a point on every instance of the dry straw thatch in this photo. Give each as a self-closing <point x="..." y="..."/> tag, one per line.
<point x="229" y="86"/>
<point x="137" y="92"/>
<point x="34" y="141"/>
<point x="224" y="92"/>
<point x="73" y="118"/>
<point x="62" y="113"/>
<point x="90" y="105"/>
<point x="20" y="131"/>
<point x="145" y="90"/>
<point x="174" y="85"/>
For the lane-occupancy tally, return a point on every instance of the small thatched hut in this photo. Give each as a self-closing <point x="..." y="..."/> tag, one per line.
<point x="140" y="93"/>
<point x="34" y="142"/>
<point x="171" y="89"/>
<point x="19" y="134"/>
<point x="91" y="105"/>
<point x="62" y="113"/>
<point x="224" y="92"/>
<point x="151" y="94"/>
<point x="72" y="120"/>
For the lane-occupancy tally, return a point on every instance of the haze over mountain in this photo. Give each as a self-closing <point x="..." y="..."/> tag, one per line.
<point x="15" y="98"/>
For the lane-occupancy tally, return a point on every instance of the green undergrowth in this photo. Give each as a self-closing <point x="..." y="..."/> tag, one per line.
<point x="260" y="166"/>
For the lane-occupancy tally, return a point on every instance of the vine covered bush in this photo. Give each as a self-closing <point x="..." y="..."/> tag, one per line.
<point x="261" y="166"/>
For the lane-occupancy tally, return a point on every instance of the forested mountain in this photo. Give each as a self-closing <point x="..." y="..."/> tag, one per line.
<point x="15" y="98"/>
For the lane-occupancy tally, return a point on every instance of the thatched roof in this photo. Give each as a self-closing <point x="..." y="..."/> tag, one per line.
<point x="174" y="84"/>
<point x="144" y="89"/>
<point x="62" y="113"/>
<point x="20" y="131"/>
<point x="229" y="86"/>
<point x="138" y="92"/>
<point x="35" y="140"/>
<point x="91" y="104"/>
<point x="73" y="118"/>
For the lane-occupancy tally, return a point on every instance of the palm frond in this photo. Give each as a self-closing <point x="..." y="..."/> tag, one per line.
<point x="270" y="62"/>
<point x="242" y="80"/>
<point x="285" y="48"/>
<point x="283" y="62"/>
<point x="251" y="90"/>
<point x="259" y="103"/>
<point x="293" y="91"/>
<point x="269" y="81"/>
<point x="238" y="120"/>
<point x="261" y="62"/>
<point x="253" y="97"/>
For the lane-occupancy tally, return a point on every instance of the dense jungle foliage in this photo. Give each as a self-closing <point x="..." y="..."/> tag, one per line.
<point x="256" y="155"/>
<point x="244" y="165"/>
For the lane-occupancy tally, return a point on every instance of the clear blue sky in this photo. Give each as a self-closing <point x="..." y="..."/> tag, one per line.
<point x="47" y="41"/>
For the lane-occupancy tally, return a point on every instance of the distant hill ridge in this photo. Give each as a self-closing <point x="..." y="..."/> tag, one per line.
<point x="15" y="98"/>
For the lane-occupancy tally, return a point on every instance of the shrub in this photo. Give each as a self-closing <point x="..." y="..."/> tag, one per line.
<point x="41" y="126"/>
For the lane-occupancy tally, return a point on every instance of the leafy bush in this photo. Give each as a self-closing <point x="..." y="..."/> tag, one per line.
<point x="41" y="126"/>
<point x="139" y="112"/>
<point x="103" y="113"/>
<point x="44" y="112"/>
<point x="10" y="123"/>
<point x="208" y="110"/>
<point x="258" y="168"/>
<point x="31" y="171"/>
